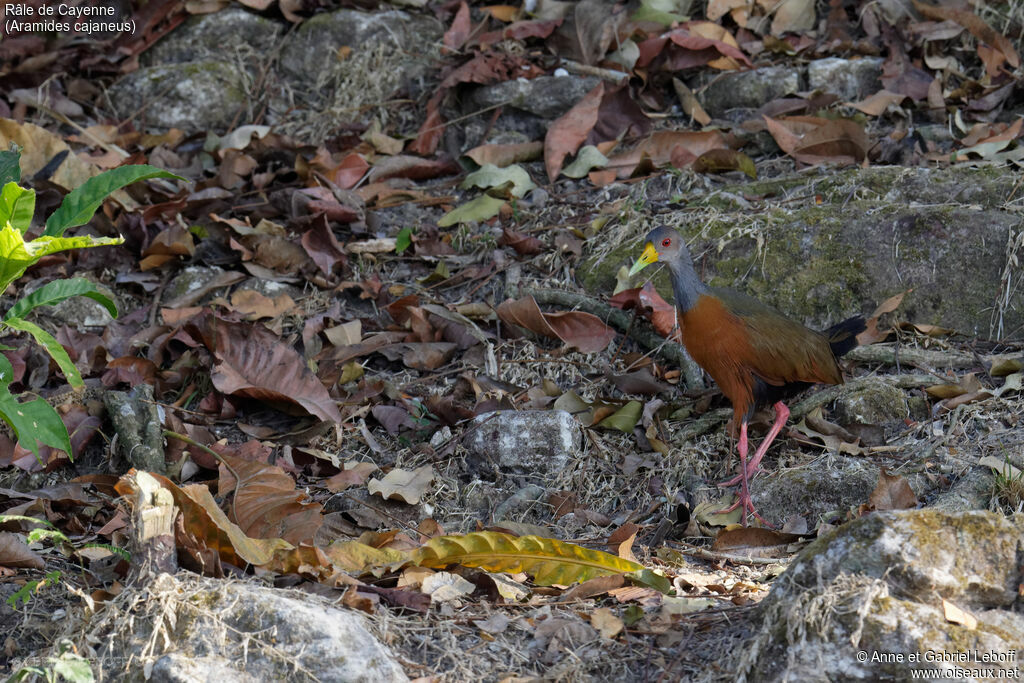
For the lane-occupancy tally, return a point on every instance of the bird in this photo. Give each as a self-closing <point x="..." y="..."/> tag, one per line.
<point x="755" y="354"/>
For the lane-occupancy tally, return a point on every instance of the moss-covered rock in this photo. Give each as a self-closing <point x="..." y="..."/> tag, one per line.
<point x="867" y="601"/>
<point x="875" y="403"/>
<point x="823" y="246"/>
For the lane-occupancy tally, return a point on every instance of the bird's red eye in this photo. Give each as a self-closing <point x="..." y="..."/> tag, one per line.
<point x="667" y="241"/>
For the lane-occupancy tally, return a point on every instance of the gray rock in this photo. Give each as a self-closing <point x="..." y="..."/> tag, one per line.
<point x="878" y="403"/>
<point x="231" y="31"/>
<point x="838" y="483"/>
<point x="82" y="312"/>
<point x="246" y="632"/>
<point x="545" y="96"/>
<point x="534" y="444"/>
<point x="851" y="79"/>
<point x="311" y="53"/>
<point x="192" y="96"/>
<point x="750" y="89"/>
<point x="191" y="279"/>
<point x="861" y="601"/>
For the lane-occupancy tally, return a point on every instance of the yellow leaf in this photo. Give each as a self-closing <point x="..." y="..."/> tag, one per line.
<point x="551" y="562"/>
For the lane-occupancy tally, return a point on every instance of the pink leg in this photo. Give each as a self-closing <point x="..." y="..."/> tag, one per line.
<point x="781" y="415"/>
<point x="744" y="496"/>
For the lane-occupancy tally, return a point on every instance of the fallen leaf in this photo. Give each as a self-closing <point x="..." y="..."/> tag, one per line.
<point x="403" y="485"/>
<point x="892" y="493"/>
<point x="583" y="331"/>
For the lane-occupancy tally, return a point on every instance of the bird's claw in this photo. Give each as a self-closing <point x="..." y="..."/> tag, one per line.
<point x="748" y="508"/>
<point x="739" y="477"/>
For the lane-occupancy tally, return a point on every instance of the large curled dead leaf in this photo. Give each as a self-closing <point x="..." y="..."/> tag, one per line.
<point x="15" y="553"/>
<point x="267" y="503"/>
<point x="253" y="362"/>
<point x="583" y="331"/>
<point x="549" y="561"/>
<point x="812" y="140"/>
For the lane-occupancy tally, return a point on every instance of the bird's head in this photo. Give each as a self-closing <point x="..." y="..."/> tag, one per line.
<point x="663" y="244"/>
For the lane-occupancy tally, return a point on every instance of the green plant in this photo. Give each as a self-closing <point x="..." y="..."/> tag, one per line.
<point x="35" y="420"/>
<point x="68" y="665"/>
<point x="1009" y="488"/>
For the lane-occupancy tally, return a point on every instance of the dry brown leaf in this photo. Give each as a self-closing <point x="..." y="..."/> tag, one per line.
<point x="267" y="504"/>
<point x="956" y="615"/>
<point x="793" y="16"/>
<point x="14" y="552"/>
<point x="568" y="133"/>
<point x="892" y="493"/>
<point x="606" y="623"/>
<point x="581" y="330"/>
<point x="354" y="474"/>
<point x="877" y="104"/>
<point x="812" y="140"/>
<point x="507" y="154"/>
<point x="253" y="362"/>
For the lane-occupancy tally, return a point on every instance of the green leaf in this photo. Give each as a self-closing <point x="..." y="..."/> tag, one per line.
<point x="81" y="203"/>
<point x="588" y="159"/>
<point x="31" y="421"/>
<point x="73" y="668"/>
<point x="664" y="12"/>
<point x="10" y="170"/>
<point x="17" y="206"/>
<point x="53" y="347"/>
<point x="37" y="535"/>
<point x="623" y="419"/>
<point x="16" y="254"/>
<point x="649" y="578"/>
<point x="490" y="176"/>
<point x="479" y="209"/>
<point x="404" y="240"/>
<point x="53" y="293"/>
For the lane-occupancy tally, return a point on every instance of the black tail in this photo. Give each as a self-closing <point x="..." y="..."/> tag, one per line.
<point x="842" y="337"/>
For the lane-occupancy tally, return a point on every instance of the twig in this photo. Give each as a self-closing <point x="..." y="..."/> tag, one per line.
<point x="930" y="358"/>
<point x="192" y="442"/>
<point x="587" y="70"/>
<point x="705" y="554"/>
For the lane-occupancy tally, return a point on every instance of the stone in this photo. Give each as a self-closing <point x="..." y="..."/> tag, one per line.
<point x="747" y="90"/>
<point x="875" y="588"/>
<point x="192" y="96"/>
<point x="231" y="31"/>
<point x="545" y="96"/>
<point x="536" y="445"/>
<point x="232" y="631"/>
<point x="191" y="279"/>
<point x="878" y="403"/>
<point x="81" y="312"/>
<point x="850" y="79"/>
<point x="819" y="264"/>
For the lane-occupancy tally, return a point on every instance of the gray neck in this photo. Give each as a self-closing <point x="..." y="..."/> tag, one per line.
<point x="685" y="284"/>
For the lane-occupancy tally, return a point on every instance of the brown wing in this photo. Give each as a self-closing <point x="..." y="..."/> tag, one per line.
<point x="780" y="350"/>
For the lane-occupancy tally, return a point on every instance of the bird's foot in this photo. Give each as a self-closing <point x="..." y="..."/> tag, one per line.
<point x="748" y="509"/>
<point x="739" y="477"/>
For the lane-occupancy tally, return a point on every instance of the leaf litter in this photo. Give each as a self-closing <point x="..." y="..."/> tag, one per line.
<point x="360" y="361"/>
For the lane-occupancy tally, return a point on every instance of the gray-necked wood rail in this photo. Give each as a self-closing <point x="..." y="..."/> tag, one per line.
<point x="756" y="355"/>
